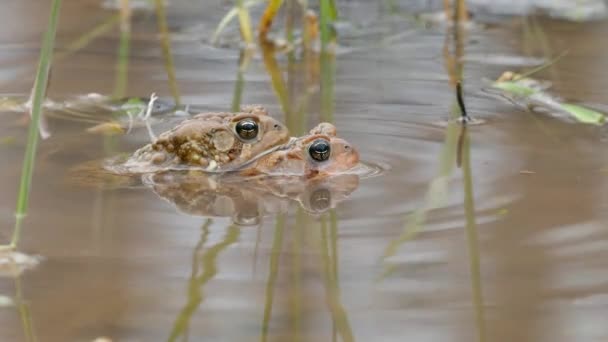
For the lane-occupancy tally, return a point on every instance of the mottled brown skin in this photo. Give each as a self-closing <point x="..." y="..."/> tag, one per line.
<point x="295" y="160"/>
<point x="209" y="142"/>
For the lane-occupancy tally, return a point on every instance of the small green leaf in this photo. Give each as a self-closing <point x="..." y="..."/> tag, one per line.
<point x="514" y="88"/>
<point x="584" y="115"/>
<point x="134" y="106"/>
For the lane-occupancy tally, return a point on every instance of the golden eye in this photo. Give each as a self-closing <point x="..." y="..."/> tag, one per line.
<point x="247" y="129"/>
<point x="319" y="150"/>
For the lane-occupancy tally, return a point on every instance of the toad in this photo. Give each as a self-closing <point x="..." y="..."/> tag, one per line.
<point x="320" y="153"/>
<point x="212" y="142"/>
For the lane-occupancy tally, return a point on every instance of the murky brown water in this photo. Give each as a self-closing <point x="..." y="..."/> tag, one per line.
<point x="526" y="206"/>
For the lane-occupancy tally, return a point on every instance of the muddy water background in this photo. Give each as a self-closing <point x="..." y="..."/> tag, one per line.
<point x="123" y="263"/>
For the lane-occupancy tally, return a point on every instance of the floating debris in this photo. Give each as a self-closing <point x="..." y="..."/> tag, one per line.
<point x="102" y="339"/>
<point x="107" y="128"/>
<point x="531" y="94"/>
<point x="506" y="60"/>
<point x="13" y="264"/>
<point x="6" y="301"/>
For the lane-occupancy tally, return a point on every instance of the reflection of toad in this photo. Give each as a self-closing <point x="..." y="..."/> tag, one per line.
<point x="211" y="142"/>
<point x="247" y="200"/>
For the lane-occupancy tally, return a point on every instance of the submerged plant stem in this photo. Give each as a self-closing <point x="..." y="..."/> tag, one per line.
<point x="40" y="84"/>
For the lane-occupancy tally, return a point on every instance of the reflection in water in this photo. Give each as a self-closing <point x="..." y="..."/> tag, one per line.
<point x="24" y="313"/>
<point x="472" y="240"/>
<point x="246" y="201"/>
<point x="275" y="254"/>
<point x="204" y="268"/>
<point x="542" y="255"/>
<point x="329" y="253"/>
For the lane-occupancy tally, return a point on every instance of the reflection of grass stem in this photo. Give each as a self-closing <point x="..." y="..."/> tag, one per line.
<point x="24" y="313"/>
<point x="338" y="313"/>
<point x="38" y="93"/>
<point x="165" y="43"/>
<point x="209" y="266"/>
<point x="272" y="274"/>
<point x="436" y="193"/>
<point x="333" y="217"/>
<point x="296" y="270"/>
<point x="472" y="241"/>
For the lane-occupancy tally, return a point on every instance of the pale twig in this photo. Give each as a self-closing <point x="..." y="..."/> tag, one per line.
<point x="146" y="118"/>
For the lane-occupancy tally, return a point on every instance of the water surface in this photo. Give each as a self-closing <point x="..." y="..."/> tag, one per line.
<point x="526" y="206"/>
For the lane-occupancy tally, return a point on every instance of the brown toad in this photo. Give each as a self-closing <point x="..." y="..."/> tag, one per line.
<point x="213" y="142"/>
<point x="320" y="153"/>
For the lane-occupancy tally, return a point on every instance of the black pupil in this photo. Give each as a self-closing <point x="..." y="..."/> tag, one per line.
<point x="247" y="129"/>
<point x="319" y="150"/>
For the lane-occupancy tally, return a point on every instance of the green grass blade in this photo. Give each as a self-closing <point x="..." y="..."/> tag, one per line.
<point x="88" y="37"/>
<point x="328" y="71"/>
<point x="584" y="115"/>
<point x="245" y="23"/>
<point x="42" y="75"/>
<point x="333" y="10"/>
<point x="515" y="88"/>
<point x="120" y="85"/>
<point x="165" y="43"/>
<point x="326" y="19"/>
<point x="223" y="23"/>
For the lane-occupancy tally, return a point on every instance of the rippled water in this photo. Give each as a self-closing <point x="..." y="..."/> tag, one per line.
<point x="493" y="234"/>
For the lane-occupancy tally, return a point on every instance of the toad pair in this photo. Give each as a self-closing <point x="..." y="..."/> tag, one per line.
<point x="249" y="142"/>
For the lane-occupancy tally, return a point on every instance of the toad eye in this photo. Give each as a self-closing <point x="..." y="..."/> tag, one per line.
<point x="319" y="150"/>
<point x="247" y="129"/>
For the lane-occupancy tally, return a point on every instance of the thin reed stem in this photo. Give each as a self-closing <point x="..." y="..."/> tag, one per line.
<point x="39" y="91"/>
